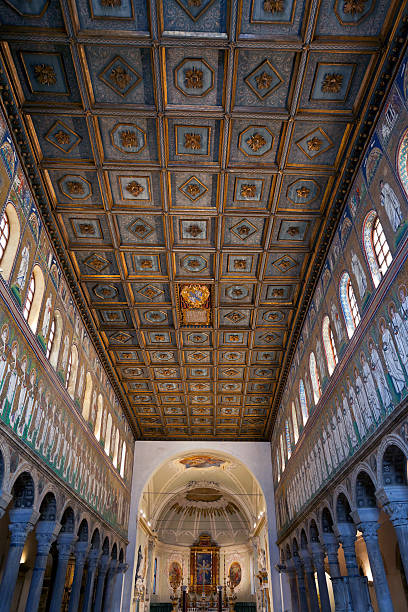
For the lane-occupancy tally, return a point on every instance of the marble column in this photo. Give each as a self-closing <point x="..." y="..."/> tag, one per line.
<point x="346" y="534"/>
<point x="150" y="551"/>
<point x="291" y="573"/>
<point x="81" y="551"/>
<point x="310" y="579"/>
<point x="100" y="584"/>
<point x="301" y="583"/>
<point x="45" y="534"/>
<point x="93" y="560"/>
<point x="117" y="592"/>
<point x="318" y="560"/>
<point x="22" y="521"/>
<point x="64" y="547"/>
<point x="331" y="545"/>
<point x="366" y="520"/>
<point x="110" y="583"/>
<point x="394" y="502"/>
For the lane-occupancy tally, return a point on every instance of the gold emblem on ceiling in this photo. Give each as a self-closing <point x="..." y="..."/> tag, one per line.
<point x="293" y="230"/>
<point x="192" y="141"/>
<point x="240" y="264"/>
<point x="354" y="7"/>
<point x="62" y="137"/>
<point x="128" y="139"/>
<point x="273" y="6"/>
<point x="146" y="264"/>
<point x="86" y="228"/>
<point x="302" y="192"/>
<point x="332" y="83"/>
<point x="134" y="188"/>
<point x="264" y="80"/>
<point x="111" y="3"/>
<point x="193" y="189"/>
<point x="194" y="78"/>
<point x="120" y="77"/>
<point x="314" y="144"/>
<point x="194" y="230"/>
<point x="248" y="190"/>
<point x="256" y="141"/>
<point x="75" y="188"/>
<point x="45" y="74"/>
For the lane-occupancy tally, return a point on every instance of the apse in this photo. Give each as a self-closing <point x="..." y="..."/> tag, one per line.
<point x="202" y="524"/>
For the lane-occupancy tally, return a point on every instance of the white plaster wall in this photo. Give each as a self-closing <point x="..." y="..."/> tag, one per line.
<point x="149" y="456"/>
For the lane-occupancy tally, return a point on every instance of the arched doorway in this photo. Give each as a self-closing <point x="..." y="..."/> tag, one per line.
<point x="202" y="517"/>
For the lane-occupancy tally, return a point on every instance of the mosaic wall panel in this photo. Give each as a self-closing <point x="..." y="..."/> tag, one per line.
<point x="365" y="377"/>
<point x="79" y="432"/>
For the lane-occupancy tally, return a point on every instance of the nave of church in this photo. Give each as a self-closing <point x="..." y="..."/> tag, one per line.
<point x="203" y="305"/>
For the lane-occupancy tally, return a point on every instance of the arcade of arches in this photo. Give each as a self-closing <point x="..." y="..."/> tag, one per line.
<point x="203" y="305"/>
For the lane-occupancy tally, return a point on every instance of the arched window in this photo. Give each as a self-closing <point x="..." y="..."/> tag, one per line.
<point x="4" y="233"/>
<point x="376" y="247"/>
<point x="123" y="459"/>
<point x="98" y="422"/>
<point x="29" y="298"/>
<point x="51" y="338"/>
<point x="283" y="457"/>
<point x="314" y="375"/>
<point x="288" y="440"/>
<point x="278" y="464"/>
<point x="108" y="434"/>
<point x="349" y="304"/>
<point x="329" y="345"/>
<point x="295" y="424"/>
<point x="10" y="238"/>
<point x="69" y="368"/>
<point x="74" y="371"/>
<point x="56" y="342"/>
<point x="34" y="296"/>
<point x="86" y="407"/>
<point x="116" y="448"/>
<point x="303" y="402"/>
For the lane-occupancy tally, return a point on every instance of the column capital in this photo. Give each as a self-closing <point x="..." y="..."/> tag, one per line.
<point x="392" y="493"/>
<point x="81" y="552"/>
<point x="45" y="534"/>
<point x="64" y="545"/>
<point x="5" y="499"/>
<point x="122" y="568"/>
<point x="307" y="562"/>
<point x="369" y="530"/>
<point x="365" y="515"/>
<point x="344" y="531"/>
<point x="318" y="554"/>
<point x="113" y="566"/>
<point x="22" y="521"/>
<point x="331" y="544"/>
<point x="397" y="513"/>
<point x="104" y="562"/>
<point x="93" y="558"/>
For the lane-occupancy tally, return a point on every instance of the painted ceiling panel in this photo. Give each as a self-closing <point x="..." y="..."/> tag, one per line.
<point x="189" y="149"/>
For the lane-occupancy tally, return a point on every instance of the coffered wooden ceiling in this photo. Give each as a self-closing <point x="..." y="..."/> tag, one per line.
<point x="188" y="150"/>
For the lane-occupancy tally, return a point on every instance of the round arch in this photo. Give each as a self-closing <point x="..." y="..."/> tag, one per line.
<point x="255" y="458"/>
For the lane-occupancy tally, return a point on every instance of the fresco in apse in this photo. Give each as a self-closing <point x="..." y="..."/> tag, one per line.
<point x="356" y="298"/>
<point x="202" y="461"/>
